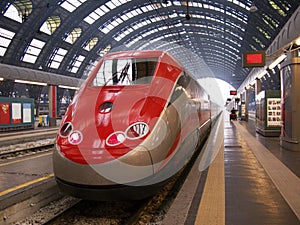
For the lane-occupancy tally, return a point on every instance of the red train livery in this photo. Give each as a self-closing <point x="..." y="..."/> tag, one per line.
<point x="134" y="123"/>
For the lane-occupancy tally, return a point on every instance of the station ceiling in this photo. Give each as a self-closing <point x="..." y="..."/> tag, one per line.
<point x="207" y="36"/>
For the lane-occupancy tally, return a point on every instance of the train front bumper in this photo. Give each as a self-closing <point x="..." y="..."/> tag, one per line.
<point x="128" y="177"/>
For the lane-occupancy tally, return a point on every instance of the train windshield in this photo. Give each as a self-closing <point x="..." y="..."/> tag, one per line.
<point x="125" y="72"/>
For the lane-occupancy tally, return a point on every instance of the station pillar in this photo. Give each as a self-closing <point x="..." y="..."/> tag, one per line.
<point x="257" y="86"/>
<point x="244" y="105"/>
<point x="290" y="107"/>
<point x="52" y="93"/>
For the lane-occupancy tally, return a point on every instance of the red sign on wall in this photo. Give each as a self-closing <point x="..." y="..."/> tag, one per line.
<point x="4" y="113"/>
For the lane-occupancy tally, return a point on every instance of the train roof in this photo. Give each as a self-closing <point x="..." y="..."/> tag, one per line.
<point x="160" y="54"/>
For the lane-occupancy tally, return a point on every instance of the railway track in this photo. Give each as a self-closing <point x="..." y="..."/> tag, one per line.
<point x="29" y="148"/>
<point x="147" y="211"/>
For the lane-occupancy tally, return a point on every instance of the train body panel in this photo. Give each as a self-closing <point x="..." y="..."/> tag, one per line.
<point x="135" y="123"/>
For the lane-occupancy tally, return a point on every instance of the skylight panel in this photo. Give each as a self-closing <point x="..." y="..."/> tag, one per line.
<point x="135" y="26"/>
<point x="110" y="27"/>
<point x="177" y="3"/>
<point x="114" y="23"/>
<point x="66" y="5"/>
<point x="119" y="21"/>
<point x="99" y="12"/>
<point x="134" y="12"/>
<point x="139" y="11"/>
<point x="13" y="14"/>
<point x="149" y="7"/>
<point x="129" y="15"/>
<point x="117" y="3"/>
<point x="124" y="17"/>
<point x="76" y="64"/>
<point x="197" y="4"/>
<point x="173" y="15"/>
<point x="276" y="7"/>
<point x="91" y="44"/>
<point x="71" y="5"/>
<point x="57" y="57"/>
<point x="89" y="20"/>
<point x="104" y="8"/>
<point x="33" y="51"/>
<point x="94" y="16"/>
<point x="5" y="39"/>
<point x="110" y="5"/>
<point x="144" y="9"/>
<point x="105" y="30"/>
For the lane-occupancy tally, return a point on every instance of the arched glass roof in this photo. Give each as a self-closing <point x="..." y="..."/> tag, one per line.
<point x="68" y="37"/>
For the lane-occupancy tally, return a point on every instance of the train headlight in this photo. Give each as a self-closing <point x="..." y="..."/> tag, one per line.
<point x="115" y="138"/>
<point x="137" y="130"/>
<point x="75" y="138"/>
<point x="66" y="129"/>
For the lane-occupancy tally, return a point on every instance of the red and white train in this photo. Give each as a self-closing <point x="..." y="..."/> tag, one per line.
<point x="134" y="123"/>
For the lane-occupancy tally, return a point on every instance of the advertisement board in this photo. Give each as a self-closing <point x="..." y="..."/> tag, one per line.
<point x="16" y="112"/>
<point x="274" y="112"/>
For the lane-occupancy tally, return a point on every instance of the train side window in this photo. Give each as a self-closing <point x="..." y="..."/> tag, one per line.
<point x="179" y="89"/>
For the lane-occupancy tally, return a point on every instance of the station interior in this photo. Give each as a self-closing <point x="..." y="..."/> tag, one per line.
<point x="244" y="53"/>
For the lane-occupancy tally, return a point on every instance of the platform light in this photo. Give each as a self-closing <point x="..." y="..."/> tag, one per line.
<point x="297" y="42"/>
<point x="31" y="82"/>
<point x="262" y="74"/>
<point x="68" y="87"/>
<point x="277" y="61"/>
<point x="1" y="78"/>
<point x="253" y="82"/>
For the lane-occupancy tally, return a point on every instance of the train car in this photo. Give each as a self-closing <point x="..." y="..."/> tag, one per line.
<point x="135" y="122"/>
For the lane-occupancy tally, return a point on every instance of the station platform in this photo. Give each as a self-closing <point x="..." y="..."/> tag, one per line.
<point x="241" y="177"/>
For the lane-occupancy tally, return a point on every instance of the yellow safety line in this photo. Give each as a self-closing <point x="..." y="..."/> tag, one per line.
<point x="212" y="205"/>
<point x="21" y="160"/>
<point x="25" y="184"/>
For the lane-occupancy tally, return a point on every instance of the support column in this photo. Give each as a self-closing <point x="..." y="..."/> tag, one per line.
<point x="246" y="103"/>
<point x="244" y="106"/>
<point x="290" y="110"/>
<point x="257" y="87"/>
<point x="52" y="93"/>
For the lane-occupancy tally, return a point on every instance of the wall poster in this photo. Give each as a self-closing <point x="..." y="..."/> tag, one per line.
<point x="16" y="112"/>
<point x="4" y="113"/>
<point x="274" y="112"/>
<point x="26" y="113"/>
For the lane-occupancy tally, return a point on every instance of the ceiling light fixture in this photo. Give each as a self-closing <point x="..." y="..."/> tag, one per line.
<point x="297" y="42"/>
<point x="31" y="82"/>
<point x="68" y="87"/>
<point x="277" y="61"/>
<point x="187" y="16"/>
<point x="253" y="7"/>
